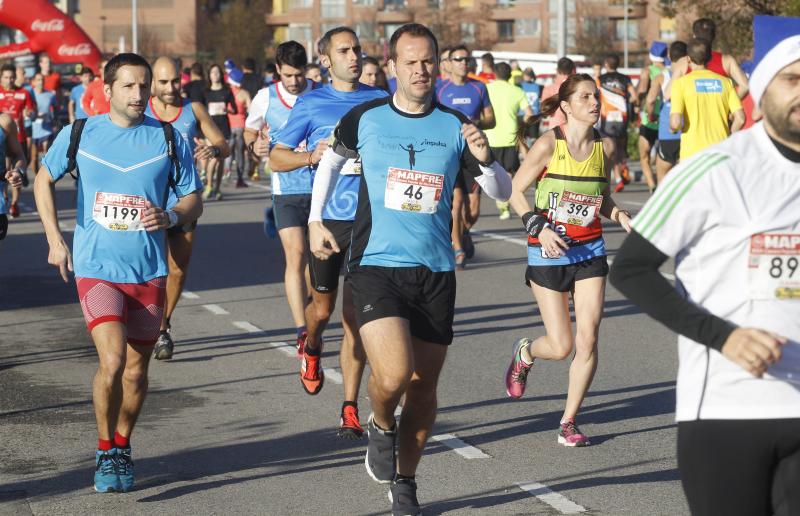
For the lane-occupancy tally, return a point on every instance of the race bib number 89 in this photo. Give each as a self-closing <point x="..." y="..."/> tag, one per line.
<point x="578" y="209"/>
<point x="413" y="191"/>
<point x="118" y="212"/>
<point x="774" y="266"/>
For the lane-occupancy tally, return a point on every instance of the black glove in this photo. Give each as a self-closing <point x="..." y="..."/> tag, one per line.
<point x="534" y="223"/>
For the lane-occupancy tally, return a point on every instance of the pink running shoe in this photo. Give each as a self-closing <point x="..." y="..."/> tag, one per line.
<point x="570" y="435"/>
<point x="517" y="372"/>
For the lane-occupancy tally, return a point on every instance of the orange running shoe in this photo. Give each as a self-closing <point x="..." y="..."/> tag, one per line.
<point x="311" y="374"/>
<point x="301" y="345"/>
<point x="349" y="426"/>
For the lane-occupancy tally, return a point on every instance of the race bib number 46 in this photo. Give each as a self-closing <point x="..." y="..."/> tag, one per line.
<point x="118" y="212"/>
<point x="774" y="266"/>
<point x="578" y="209"/>
<point x="413" y="191"/>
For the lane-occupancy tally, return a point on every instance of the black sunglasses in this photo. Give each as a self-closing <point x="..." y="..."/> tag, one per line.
<point x="460" y="59"/>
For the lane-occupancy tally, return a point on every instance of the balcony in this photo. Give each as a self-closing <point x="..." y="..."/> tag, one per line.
<point x="636" y="9"/>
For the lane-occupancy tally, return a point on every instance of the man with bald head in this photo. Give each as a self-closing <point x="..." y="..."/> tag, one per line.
<point x="191" y="119"/>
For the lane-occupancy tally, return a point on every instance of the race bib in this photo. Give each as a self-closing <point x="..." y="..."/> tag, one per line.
<point x="118" y="212"/>
<point x="614" y="116"/>
<point x="413" y="191"/>
<point x="216" y="108"/>
<point x="578" y="209"/>
<point x="774" y="266"/>
<point x="352" y="167"/>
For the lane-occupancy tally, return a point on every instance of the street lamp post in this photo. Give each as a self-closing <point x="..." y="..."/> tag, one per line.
<point x="135" y="28"/>
<point x="625" y="28"/>
<point x="561" y="46"/>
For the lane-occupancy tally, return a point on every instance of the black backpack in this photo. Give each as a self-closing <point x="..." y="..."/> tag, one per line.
<point x="169" y="136"/>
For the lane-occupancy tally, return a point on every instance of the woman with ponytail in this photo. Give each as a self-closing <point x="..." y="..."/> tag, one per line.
<point x="568" y="170"/>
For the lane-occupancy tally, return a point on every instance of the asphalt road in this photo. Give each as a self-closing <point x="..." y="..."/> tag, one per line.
<point x="227" y="428"/>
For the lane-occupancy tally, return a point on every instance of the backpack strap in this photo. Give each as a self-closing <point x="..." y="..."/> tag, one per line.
<point x="72" y="150"/>
<point x="172" y="153"/>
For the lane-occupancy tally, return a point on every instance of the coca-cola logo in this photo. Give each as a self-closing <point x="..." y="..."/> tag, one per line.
<point x="81" y="49"/>
<point x="54" y="25"/>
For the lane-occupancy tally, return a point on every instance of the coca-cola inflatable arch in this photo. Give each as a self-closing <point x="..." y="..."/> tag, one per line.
<point x="48" y="30"/>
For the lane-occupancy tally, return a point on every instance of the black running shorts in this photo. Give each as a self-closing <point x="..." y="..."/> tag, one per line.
<point x="562" y="278"/>
<point x="508" y="157"/>
<point x="325" y="273"/>
<point x="669" y="150"/>
<point x="291" y="210"/>
<point x="185" y="228"/>
<point x="737" y="467"/>
<point x="466" y="183"/>
<point x="425" y="299"/>
<point x="649" y="134"/>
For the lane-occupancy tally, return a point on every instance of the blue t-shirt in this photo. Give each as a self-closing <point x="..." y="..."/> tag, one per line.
<point x="533" y="92"/>
<point x="410" y="163"/>
<point x="120" y="168"/>
<point x="313" y="118"/>
<point x="45" y="104"/>
<point x="297" y="181"/>
<point x="470" y="98"/>
<point x="75" y="95"/>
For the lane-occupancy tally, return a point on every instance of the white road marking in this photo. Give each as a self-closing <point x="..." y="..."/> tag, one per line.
<point x="216" y="309"/>
<point x="189" y="295"/>
<point x="460" y="447"/>
<point x="246" y="326"/>
<point x="334" y="375"/>
<point x="288" y="349"/>
<point x="260" y="187"/>
<point x="635" y="203"/>
<point x="558" y="501"/>
<point x="524" y="242"/>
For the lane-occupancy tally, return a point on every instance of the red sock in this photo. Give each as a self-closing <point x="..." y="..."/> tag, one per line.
<point x="104" y="444"/>
<point x="121" y="442"/>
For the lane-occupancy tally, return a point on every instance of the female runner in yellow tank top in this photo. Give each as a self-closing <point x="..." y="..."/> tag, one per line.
<point x="570" y="168"/>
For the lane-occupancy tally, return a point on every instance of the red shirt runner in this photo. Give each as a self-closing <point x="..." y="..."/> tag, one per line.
<point x="14" y="103"/>
<point x="94" y="100"/>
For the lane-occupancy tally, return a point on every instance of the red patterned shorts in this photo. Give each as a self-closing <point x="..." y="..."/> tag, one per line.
<point x="139" y="306"/>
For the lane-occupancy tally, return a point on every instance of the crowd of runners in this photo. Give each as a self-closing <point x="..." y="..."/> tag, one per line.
<point x="377" y="170"/>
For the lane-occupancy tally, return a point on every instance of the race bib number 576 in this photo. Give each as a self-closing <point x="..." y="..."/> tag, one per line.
<point x="413" y="191"/>
<point x="774" y="266"/>
<point x="118" y="212"/>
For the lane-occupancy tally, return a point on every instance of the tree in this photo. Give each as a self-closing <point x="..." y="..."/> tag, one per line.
<point x="237" y="31"/>
<point x="734" y="22"/>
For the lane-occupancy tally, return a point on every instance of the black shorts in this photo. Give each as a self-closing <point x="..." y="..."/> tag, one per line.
<point x="562" y="278"/>
<point x="649" y="134"/>
<point x="738" y="467"/>
<point x="185" y="228"/>
<point x="3" y="224"/>
<point x="466" y="183"/>
<point x="669" y="150"/>
<point x="424" y="298"/>
<point x="615" y="130"/>
<point x="325" y="273"/>
<point x="291" y="210"/>
<point x="508" y="157"/>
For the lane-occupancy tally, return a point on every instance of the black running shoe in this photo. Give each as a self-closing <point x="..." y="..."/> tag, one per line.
<point x="164" y="346"/>
<point x="403" y="495"/>
<point x="380" y="458"/>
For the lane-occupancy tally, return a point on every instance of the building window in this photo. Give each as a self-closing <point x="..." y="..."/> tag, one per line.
<point x="333" y="8"/>
<point x="389" y="28"/>
<point x="300" y="32"/>
<point x="553" y="32"/>
<point x="301" y="4"/>
<point x="505" y="30"/>
<point x="528" y="27"/>
<point x="633" y="30"/>
<point x="553" y="6"/>
<point x="435" y="4"/>
<point x="467" y="32"/>
<point x="364" y="2"/>
<point x="595" y="26"/>
<point x="366" y="30"/>
<point x="394" y="5"/>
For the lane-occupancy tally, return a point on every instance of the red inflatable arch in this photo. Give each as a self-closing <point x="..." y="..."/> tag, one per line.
<point x="48" y="30"/>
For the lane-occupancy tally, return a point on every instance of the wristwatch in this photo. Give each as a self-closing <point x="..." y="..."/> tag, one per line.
<point x="173" y="218"/>
<point x="215" y="151"/>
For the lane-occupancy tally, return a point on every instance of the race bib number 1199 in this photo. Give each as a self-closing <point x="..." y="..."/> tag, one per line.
<point x="118" y="212"/>
<point x="774" y="266"/>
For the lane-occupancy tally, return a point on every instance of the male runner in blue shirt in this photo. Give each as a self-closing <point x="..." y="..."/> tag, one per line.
<point x="125" y="174"/>
<point x="401" y="265"/>
<point x="313" y="120"/>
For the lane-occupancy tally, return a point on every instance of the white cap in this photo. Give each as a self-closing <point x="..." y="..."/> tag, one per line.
<point x="781" y="55"/>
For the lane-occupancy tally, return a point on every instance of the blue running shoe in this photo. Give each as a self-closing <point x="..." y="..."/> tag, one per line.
<point x="125" y="469"/>
<point x="106" y="479"/>
<point x="270" y="229"/>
